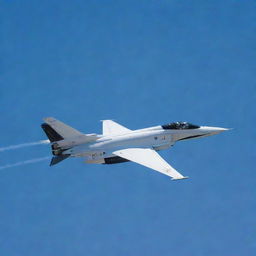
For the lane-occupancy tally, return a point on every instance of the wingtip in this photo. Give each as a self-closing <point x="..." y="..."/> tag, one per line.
<point x="180" y="178"/>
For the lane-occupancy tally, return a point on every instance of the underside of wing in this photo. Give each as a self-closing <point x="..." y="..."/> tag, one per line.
<point x="62" y="129"/>
<point x="151" y="159"/>
<point x="110" y="127"/>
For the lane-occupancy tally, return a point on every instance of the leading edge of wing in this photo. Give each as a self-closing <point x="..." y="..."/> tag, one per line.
<point x="151" y="159"/>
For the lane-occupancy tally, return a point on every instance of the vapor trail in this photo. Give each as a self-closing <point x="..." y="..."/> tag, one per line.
<point x="31" y="161"/>
<point x="23" y="145"/>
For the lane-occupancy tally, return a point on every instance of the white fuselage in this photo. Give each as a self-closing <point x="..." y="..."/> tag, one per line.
<point x="155" y="137"/>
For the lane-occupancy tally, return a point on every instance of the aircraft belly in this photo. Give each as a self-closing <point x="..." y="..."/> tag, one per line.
<point x="162" y="146"/>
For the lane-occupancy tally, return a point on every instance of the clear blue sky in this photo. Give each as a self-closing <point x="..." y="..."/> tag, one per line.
<point x="141" y="63"/>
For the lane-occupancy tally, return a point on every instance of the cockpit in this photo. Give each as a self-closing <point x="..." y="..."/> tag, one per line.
<point x="180" y="126"/>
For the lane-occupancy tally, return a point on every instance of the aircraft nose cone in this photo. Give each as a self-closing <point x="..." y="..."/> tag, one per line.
<point x="213" y="130"/>
<point x="221" y="129"/>
<point x="217" y="130"/>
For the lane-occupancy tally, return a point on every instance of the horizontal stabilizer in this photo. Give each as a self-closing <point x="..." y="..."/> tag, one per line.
<point x="57" y="159"/>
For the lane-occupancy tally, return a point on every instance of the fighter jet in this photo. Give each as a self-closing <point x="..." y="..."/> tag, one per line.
<point x="118" y="144"/>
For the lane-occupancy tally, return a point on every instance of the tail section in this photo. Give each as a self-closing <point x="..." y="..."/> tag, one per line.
<point x="57" y="131"/>
<point x="63" y="137"/>
<point x="54" y="136"/>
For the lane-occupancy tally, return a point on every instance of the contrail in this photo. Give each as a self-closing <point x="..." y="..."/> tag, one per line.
<point x="31" y="161"/>
<point x="23" y="145"/>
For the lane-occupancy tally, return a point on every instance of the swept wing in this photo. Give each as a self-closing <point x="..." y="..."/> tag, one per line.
<point x="151" y="159"/>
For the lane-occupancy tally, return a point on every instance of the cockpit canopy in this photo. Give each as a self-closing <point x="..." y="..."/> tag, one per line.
<point x="180" y="126"/>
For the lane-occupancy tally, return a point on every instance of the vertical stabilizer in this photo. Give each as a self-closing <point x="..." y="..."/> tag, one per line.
<point x="51" y="133"/>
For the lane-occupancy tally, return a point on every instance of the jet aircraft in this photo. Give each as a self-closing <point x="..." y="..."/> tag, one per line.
<point x="119" y="144"/>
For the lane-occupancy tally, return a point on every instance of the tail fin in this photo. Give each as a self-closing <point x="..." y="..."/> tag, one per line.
<point x="51" y="133"/>
<point x="63" y="130"/>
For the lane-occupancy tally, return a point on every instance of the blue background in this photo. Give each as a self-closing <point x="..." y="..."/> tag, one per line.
<point x="141" y="63"/>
